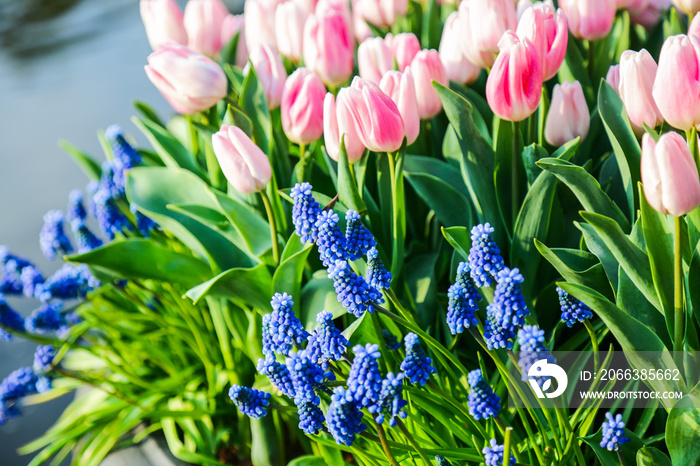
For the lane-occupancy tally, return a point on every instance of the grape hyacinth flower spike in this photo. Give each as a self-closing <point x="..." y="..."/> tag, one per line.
<point x="364" y="380"/>
<point x="53" y="239"/>
<point x="417" y="366"/>
<point x="493" y="454"/>
<point x="532" y="349"/>
<point x="305" y="212"/>
<point x="306" y="377"/>
<point x="43" y="358"/>
<point x="613" y="432"/>
<point x="9" y="319"/>
<point x="76" y="206"/>
<point x="310" y="418"/>
<point x="69" y="282"/>
<point x="352" y="291"/>
<point x="507" y="313"/>
<point x="390" y="400"/>
<point x="278" y="374"/>
<point x="18" y="384"/>
<point x="344" y="418"/>
<point x="46" y="318"/>
<point x="330" y="240"/>
<point x="390" y="340"/>
<point x="326" y="343"/>
<point x="485" y="259"/>
<point x="572" y="310"/>
<point x="378" y="276"/>
<point x="282" y="330"/>
<point x="483" y="403"/>
<point x="463" y="298"/>
<point x="358" y="239"/>
<point x="251" y="402"/>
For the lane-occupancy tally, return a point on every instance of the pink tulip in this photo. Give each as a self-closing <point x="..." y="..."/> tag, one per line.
<point x="203" y="21"/>
<point x="648" y="13"/>
<point x="689" y="7"/>
<point x="260" y="23"/>
<point x="375" y="116"/>
<point x="400" y="87"/>
<point x="425" y="68"/>
<point x="669" y="174"/>
<point x="484" y="23"/>
<point x="329" y="47"/>
<point x="404" y="46"/>
<point x="677" y="84"/>
<point x="302" y="107"/>
<point x="694" y="28"/>
<point x="589" y="19"/>
<point x="457" y="65"/>
<point x="333" y="130"/>
<point x="290" y="18"/>
<point x="189" y="81"/>
<point x="521" y="7"/>
<point x="568" y="116"/>
<point x="382" y="13"/>
<point x="637" y="73"/>
<point x="271" y="73"/>
<point x="359" y="25"/>
<point x="514" y="85"/>
<point x="547" y="30"/>
<point x="245" y="166"/>
<point x="309" y="6"/>
<point x="163" y="22"/>
<point x="235" y="24"/>
<point x="341" y="7"/>
<point x="374" y="59"/>
<point x="613" y="77"/>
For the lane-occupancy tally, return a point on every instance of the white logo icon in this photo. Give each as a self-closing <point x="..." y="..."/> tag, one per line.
<point x="542" y="368"/>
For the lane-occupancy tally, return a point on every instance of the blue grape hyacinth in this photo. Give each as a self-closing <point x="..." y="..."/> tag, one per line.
<point x="305" y="212"/>
<point x="110" y="218"/>
<point x="485" y="259"/>
<point x="9" y="318"/>
<point x="144" y="224"/>
<point x="483" y="403"/>
<point x="344" y="418"/>
<point x="53" y="239"/>
<point x="76" y="207"/>
<point x="572" y="310"/>
<point x="493" y="454"/>
<point x="327" y="342"/>
<point x="249" y="401"/>
<point x="282" y="330"/>
<point x="507" y="313"/>
<point x="391" y="400"/>
<point x="390" y="340"/>
<point x="463" y="298"/>
<point x="31" y="278"/>
<point x="84" y="237"/>
<point x="330" y="240"/>
<point x="278" y="374"/>
<point x="532" y="349"/>
<point x="358" y="239"/>
<point x="69" y="282"/>
<point x="442" y="461"/>
<point x="310" y="418"/>
<point x="378" y="276"/>
<point x="47" y="318"/>
<point x="352" y="291"/>
<point x="365" y="380"/>
<point x="43" y="358"/>
<point x="18" y="384"/>
<point x="306" y="376"/>
<point x="613" y="432"/>
<point x="417" y="366"/>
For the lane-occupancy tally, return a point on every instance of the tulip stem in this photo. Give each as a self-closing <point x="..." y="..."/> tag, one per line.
<point x="591" y="60"/>
<point x="679" y="313"/>
<point x="515" y="173"/>
<point x="194" y="138"/>
<point x="507" y="446"/>
<point x="273" y="226"/>
<point x="303" y="163"/>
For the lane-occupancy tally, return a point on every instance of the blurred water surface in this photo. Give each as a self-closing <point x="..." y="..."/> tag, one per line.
<point x="67" y="69"/>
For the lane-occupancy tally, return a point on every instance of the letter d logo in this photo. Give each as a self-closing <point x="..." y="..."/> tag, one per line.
<point x="542" y="368"/>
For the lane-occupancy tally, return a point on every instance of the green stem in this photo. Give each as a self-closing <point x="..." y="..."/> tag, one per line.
<point x="412" y="441"/>
<point x="273" y="226"/>
<point x="515" y="173"/>
<point x="507" y="446"/>
<point x="591" y="60"/>
<point x="380" y="340"/>
<point x="224" y="336"/>
<point x="398" y="219"/>
<point x="679" y="312"/>
<point x="594" y="344"/>
<point x="385" y="445"/>
<point x="194" y="138"/>
<point x="303" y="163"/>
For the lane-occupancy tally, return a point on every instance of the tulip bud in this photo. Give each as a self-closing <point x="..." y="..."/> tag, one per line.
<point x="203" y="21"/>
<point x="457" y="65"/>
<point x="336" y="6"/>
<point x="590" y="19"/>
<point x="404" y="46"/>
<point x="235" y="24"/>
<point x="568" y="116"/>
<point x="514" y="85"/>
<point x="613" y="77"/>
<point x="245" y="166"/>
<point x="647" y="12"/>
<point x="374" y="59"/>
<point x="189" y="81"/>
<point x="484" y="23"/>
<point x="308" y="6"/>
<point x="425" y="68"/>
<point x="359" y="25"/>
<point x="163" y="22"/>
<point x="694" y="28"/>
<point x="677" y="85"/>
<point x="271" y="73"/>
<point x="402" y="90"/>
<point x="689" y="7"/>
<point x="329" y="47"/>
<point x="382" y="13"/>
<point x="302" y="107"/>
<point x="637" y="73"/>
<point x="333" y="130"/>
<point x="290" y="18"/>
<point x="546" y="29"/>
<point x="260" y="23"/>
<point x="669" y="175"/>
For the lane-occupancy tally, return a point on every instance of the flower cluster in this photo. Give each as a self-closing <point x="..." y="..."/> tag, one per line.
<point x="483" y="402"/>
<point x="507" y="313"/>
<point x="249" y="401"/>
<point x="485" y="259"/>
<point x="326" y="343"/>
<point x="493" y="454"/>
<point x="365" y="380"/>
<point x="463" y="298"/>
<point x="572" y="310"/>
<point x="282" y="330"/>
<point x="532" y="349"/>
<point x="613" y="432"/>
<point x="344" y="418"/>
<point x="417" y="365"/>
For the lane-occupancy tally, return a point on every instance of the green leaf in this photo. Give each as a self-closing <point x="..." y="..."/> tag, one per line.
<point x="140" y="258"/>
<point x="235" y="116"/>
<point x="595" y="244"/>
<point x="249" y="225"/>
<point x="628" y="450"/>
<point x="633" y="302"/>
<point x="459" y="238"/>
<point x="450" y="206"/>
<point x="150" y="114"/>
<point x="287" y="277"/>
<point x="625" y="145"/>
<point x="573" y="69"/>
<point x="347" y="184"/>
<point x="503" y="169"/>
<point x="229" y="50"/>
<point x="91" y="168"/>
<point x="682" y="429"/>
<point x="316" y="296"/>
<point x="421" y="281"/>
<point x="171" y="151"/>
<point x="586" y="189"/>
<point x="252" y="100"/>
<point x="252" y="286"/>
<point x="630" y="257"/>
<point x="651" y="456"/>
<point x="308" y="460"/>
<point x="643" y="349"/>
<point x="266" y="448"/>
<point x="531" y="154"/>
<point x="446" y="172"/>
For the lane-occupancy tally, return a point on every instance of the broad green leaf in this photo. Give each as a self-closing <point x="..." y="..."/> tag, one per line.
<point x="252" y="228"/>
<point x="632" y="259"/>
<point x="316" y="296"/>
<point x="595" y="244"/>
<point x="694" y="291"/>
<point x="308" y="461"/>
<point x="421" y="281"/>
<point x="148" y="112"/>
<point x="628" y="450"/>
<point x="586" y="189"/>
<point x="459" y="238"/>
<point x="446" y="172"/>
<point x="347" y="184"/>
<point x="651" y="456"/>
<point x="236" y="117"/>
<point x="625" y="145"/>
<point x="682" y="429"/>
<point x="171" y="151"/>
<point x="142" y="258"/>
<point x="267" y="447"/>
<point x="230" y="49"/>
<point x="450" y="206"/>
<point x="643" y="349"/>
<point x="287" y="277"/>
<point x="531" y="154"/>
<point x="252" y="100"/>
<point x="573" y="69"/>
<point x="252" y="286"/>
<point x="504" y="138"/>
<point x="89" y="166"/>
<point x="632" y="301"/>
